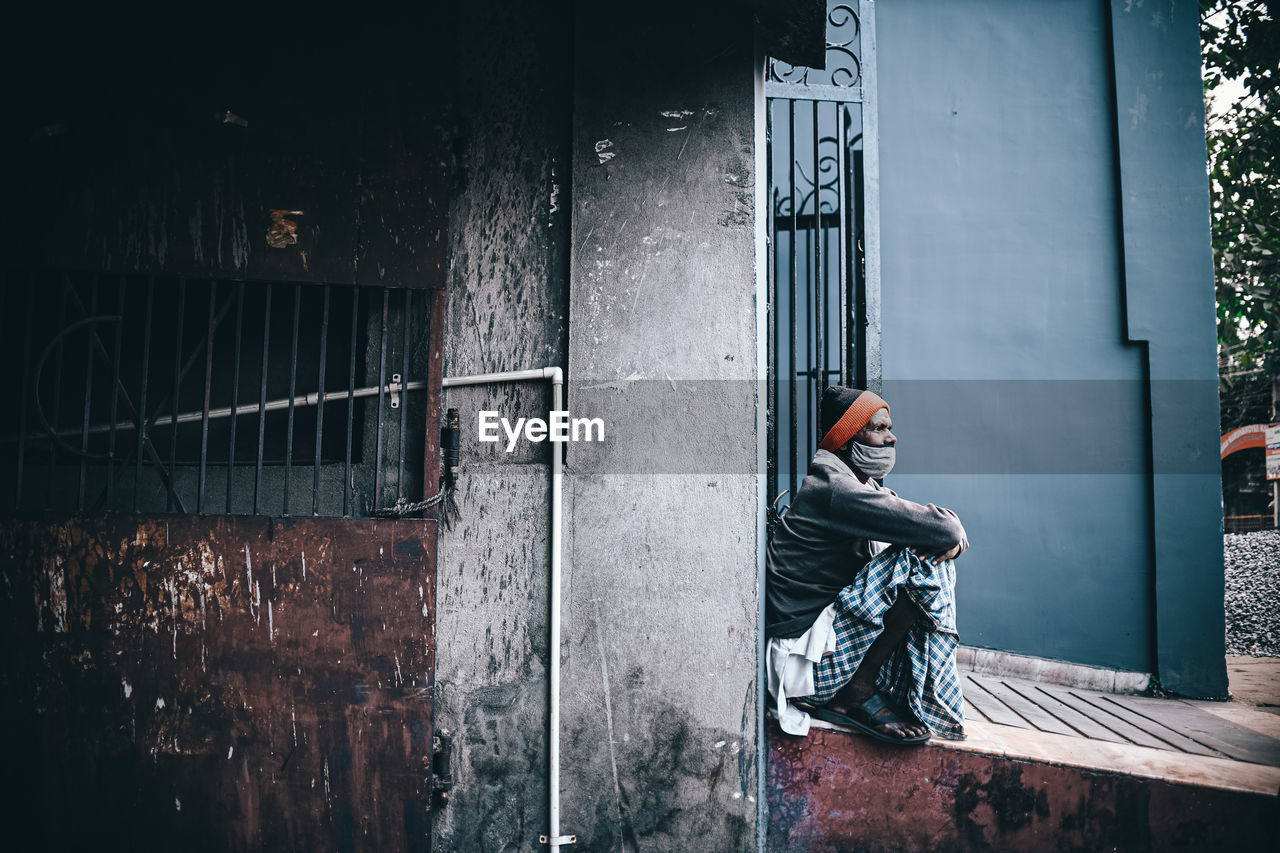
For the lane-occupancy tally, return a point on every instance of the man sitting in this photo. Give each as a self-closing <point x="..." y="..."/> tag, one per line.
<point x="860" y="603"/>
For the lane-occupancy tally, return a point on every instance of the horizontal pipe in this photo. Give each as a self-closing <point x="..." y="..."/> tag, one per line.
<point x="270" y="406"/>
<point x="553" y="373"/>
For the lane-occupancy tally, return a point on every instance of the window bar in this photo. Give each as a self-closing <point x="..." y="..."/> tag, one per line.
<point x="235" y="394"/>
<point x="795" y="272"/>
<point x="262" y="402"/>
<point x="293" y="390"/>
<point x="404" y="401"/>
<point x="115" y="394"/>
<point x="180" y="377"/>
<point x="819" y="282"/>
<point x="142" y="425"/>
<point x="351" y="401"/>
<point x="382" y="384"/>
<point x="807" y="375"/>
<point x="830" y="307"/>
<point x="88" y="399"/>
<point x="177" y="379"/>
<point x="4" y="299"/>
<point x="771" y="421"/>
<point x="142" y="396"/>
<point x="197" y="352"/>
<point x="117" y="389"/>
<point x="208" y="387"/>
<point x="57" y="395"/>
<point x="432" y="335"/>
<point x="859" y="307"/>
<point x="842" y="245"/>
<point x="324" y="342"/>
<point x="145" y="426"/>
<point x="4" y="294"/>
<point x="26" y="391"/>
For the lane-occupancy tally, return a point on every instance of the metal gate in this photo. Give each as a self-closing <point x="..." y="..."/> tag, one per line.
<point x="823" y="220"/>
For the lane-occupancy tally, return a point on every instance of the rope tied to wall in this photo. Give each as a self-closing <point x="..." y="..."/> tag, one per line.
<point x="402" y="508"/>
<point x="450" y="442"/>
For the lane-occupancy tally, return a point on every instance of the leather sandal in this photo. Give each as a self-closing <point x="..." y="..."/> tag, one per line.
<point x="864" y="720"/>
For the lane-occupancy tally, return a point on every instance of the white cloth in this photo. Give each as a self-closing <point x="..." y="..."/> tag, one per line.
<point x="790" y="666"/>
<point x="789" y="662"/>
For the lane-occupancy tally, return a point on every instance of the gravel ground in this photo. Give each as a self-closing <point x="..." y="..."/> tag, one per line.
<point x="1253" y="593"/>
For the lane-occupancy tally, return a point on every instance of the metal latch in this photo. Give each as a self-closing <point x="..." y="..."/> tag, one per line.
<point x="441" y="775"/>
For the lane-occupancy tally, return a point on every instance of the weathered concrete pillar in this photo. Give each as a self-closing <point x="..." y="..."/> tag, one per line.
<point x="507" y="289"/>
<point x="659" y="649"/>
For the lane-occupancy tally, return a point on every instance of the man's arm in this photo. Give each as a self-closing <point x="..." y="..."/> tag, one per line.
<point x="881" y="515"/>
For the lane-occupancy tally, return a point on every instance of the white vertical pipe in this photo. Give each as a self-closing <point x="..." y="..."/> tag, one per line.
<point x="556" y="375"/>
<point x="557" y="485"/>
<point x="760" y="139"/>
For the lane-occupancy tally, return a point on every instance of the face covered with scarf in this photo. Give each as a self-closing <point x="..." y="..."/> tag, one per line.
<point x="855" y="425"/>
<point x="872" y="450"/>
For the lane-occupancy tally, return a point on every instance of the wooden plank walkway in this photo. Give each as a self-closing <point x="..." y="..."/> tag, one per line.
<point x="1168" y="724"/>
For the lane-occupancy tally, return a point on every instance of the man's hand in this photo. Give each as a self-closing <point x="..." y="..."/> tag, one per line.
<point x="935" y="557"/>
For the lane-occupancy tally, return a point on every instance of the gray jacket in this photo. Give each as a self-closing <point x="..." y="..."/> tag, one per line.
<point x="823" y="541"/>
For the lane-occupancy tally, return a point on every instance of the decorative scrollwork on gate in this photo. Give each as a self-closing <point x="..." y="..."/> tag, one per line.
<point x="843" y="69"/>
<point x="826" y="187"/>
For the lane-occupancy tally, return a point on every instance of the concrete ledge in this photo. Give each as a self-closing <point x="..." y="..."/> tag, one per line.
<point x="833" y="791"/>
<point x="1106" y="757"/>
<point x="1008" y="664"/>
<point x="1103" y="756"/>
<point x="1241" y="714"/>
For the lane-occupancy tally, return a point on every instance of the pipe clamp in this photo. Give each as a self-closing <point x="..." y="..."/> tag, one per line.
<point x="557" y="840"/>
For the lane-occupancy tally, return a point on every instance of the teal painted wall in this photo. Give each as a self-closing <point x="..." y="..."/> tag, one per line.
<point x="1005" y="245"/>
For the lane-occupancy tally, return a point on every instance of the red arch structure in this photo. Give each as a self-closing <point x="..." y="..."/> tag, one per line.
<point x="1253" y="435"/>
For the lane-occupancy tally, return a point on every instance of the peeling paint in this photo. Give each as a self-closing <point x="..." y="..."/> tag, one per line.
<point x="140" y="596"/>
<point x="833" y="791"/>
<point x="58" y="595"/>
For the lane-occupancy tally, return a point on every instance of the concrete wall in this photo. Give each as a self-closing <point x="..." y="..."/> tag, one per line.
<point x="1169" y="297"/>
<point x="507" y="310"/>
<point x="1008" y="273"/>
<point x="660" y="604"/>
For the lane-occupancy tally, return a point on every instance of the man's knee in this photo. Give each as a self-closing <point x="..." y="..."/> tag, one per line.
<point x="903" y="609"/>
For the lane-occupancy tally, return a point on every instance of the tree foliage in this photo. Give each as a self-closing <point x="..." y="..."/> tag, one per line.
<point x="1241" y="42"/>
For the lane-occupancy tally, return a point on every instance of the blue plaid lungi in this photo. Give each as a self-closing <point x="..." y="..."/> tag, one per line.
<point x="921" y="673"/>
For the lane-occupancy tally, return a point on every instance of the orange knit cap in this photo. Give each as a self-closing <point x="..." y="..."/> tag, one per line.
<point x="860" y="409"/>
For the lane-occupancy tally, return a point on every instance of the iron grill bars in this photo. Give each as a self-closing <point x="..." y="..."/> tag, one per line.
<point x="817" y="221"/>
<point x="161" y="393"/>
